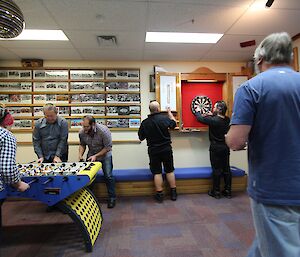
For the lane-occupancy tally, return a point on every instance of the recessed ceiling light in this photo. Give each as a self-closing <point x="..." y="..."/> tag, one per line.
<point x="40" y="34"/>
<point x="178" y="37"/>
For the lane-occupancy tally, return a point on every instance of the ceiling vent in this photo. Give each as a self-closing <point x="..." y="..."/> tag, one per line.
<point x="107" y="41"/>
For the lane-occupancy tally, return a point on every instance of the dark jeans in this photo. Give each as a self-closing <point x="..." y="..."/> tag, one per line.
<point x="219" y="158"/>
<point x="107" y="167"/>
<point x="64" y="158"/>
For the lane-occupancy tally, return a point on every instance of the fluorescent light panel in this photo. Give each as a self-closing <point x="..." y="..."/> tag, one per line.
<point x="178" y="37"/>
<point x="38" y="34"/>
<point x="202" y="80"/>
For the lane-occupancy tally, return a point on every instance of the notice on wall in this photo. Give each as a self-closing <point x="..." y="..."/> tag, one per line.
<point x="168" y="92"/>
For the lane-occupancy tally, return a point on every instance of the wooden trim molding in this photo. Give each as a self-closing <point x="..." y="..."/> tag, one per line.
<point x="28" y="143"/>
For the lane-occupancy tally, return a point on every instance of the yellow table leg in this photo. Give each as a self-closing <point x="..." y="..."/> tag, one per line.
<point x="83" y="207"/>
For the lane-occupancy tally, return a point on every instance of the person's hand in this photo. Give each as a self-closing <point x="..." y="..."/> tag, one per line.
<point x="21" y="186"/>
<point x="168" y="108"/>
<point x="40" y="160"/>
<point x="92" y="158"/>
<point x="56" y="159"/>
<point x="207" y="114"/>
<point x="197" y="109"/>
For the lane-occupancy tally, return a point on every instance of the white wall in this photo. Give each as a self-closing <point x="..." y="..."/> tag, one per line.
<point x="190" y="149"/>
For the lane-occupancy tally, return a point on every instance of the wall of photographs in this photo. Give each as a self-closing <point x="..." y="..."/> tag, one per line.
<point x="112" y="96"/>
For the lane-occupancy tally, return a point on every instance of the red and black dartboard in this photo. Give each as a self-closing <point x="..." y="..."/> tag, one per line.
<point x="203" y="102"/>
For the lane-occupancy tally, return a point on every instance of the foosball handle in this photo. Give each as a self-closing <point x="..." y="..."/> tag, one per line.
<point x="33" y="181"/>
<point x="47" y="181"/>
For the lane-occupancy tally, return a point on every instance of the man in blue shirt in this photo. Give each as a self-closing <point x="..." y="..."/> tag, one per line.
<point x="266" y="114"/>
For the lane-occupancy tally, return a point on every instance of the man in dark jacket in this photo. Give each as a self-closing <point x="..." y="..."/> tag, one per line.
<point x="219" y="152"/>
<point x="155" y="129"/>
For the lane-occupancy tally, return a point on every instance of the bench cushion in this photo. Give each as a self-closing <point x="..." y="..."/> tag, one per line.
<point x="180" y="173"/>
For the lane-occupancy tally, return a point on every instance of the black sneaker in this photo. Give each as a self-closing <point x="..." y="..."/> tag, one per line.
<point x="215" y="194"/>
<point x="173" y="194"/>
<point x="111" y="203"/>
<point x="159" y="197"/>
<point x="226" y="193"/>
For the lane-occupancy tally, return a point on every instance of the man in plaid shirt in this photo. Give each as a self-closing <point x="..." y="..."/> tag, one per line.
<point x="8" y="170"/>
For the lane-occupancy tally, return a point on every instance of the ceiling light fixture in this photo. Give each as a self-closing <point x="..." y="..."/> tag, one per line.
<point x="11" y="19"/>
<point x="269" y="3"/>
<point x="38" y="34"/>
<point x="202" y="80"/>
<point x="178" y="37"/>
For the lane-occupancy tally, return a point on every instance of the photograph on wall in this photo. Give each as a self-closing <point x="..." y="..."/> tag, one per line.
<point x="4" y="98"/>
<point x="63" y="110"/>
<point x="111" y="110"/>
<point x="122" y="74"/>
<point x="98" y="110"/>
<point x="39" y="74"/>
<point x="38" y="99"/>
<point x="87" y="74"/>
<point x="134" y="86"/>
<point x="13" y="74"/>
<point x="87" y="110"/>
<point x="88" y="98"/>
<point x="22" y="124"/>
<point x="134" y="123"/>
<point x="61" y="99"/>
<point x="117" y="123"/>
<point x="51" y="98"/>
<point x="38" y="111"/>
<point x="133" y="74"/>
<point x="168" y="92"/>
<point x="76" y="111"/>
<point x="56" y="74"/>
<point x="15" y="86"/>
<point x="3" y="74"/>
<point x="123" y="110"/>
<point x="17" y="98"/>
<point x="25" y="74"/>
<point x="111" y="74"/>
<point x="20" y="111"/>
<point x="101" y="121"/>
<point x="123" y="98"/>
<point x="76" y="123"/>
<point x="87" y="86"/>
<point x="135" y="110"/>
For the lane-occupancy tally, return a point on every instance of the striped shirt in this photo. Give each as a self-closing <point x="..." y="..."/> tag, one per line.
<point x="8" y="170"/>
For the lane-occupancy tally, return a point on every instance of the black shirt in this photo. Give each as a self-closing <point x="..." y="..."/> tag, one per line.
<point x="218" y="127"/>
<point x="155" y="129"/>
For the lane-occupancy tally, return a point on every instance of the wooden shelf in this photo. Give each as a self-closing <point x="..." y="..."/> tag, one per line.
<point x="67" y="80"/>
<point x="28" y="143"/>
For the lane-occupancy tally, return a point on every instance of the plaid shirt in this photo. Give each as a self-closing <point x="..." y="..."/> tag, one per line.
<point x="8" y="170"/>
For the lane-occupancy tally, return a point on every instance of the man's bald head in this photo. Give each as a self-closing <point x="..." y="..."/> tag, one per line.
<point x="154" y="107"/>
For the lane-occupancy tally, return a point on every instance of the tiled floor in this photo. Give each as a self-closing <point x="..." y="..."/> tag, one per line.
<point x="194" y="226"/>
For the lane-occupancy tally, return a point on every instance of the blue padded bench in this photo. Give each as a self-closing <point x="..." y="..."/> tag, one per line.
<point x="180" y="173"/>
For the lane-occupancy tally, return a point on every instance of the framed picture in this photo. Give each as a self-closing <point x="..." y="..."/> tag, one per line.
<point x="88" y="98"/>
<point x="56" y="74"/>
<point x="98" y="111"/>
<point x="63" y="111"/>
<point x="134" y="86"/>
<point x="117" y="123"/>
<point x="3" y="74"/>
<point x="101" y="121"/>
<point x="134" y="123"/>
<point x="38" y="111"/>
<point x="50" y="86"/>
<point x="134" y="74"/>
<point x="122" y="74"/>
<point x="15" y="86"/>
<point x="123" y="98"/>
<point x="88" y="86"/>
<point x="87" y="74"/>
<point x="76" y="111"/>
<point x="111" y="74"/>
<point x="76" y="123"/>
<point x="4" y="98"/>
<point x="22" y="124"/>
<point x="20" y="111"/>
<point x="152" y="82"/>
<point x="18" y="98"/>
<point x="38" y="99"/>
<point x="134" y="110"/>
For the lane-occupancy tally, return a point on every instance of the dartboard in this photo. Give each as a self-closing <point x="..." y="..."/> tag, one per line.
<point x="203" y="102"/>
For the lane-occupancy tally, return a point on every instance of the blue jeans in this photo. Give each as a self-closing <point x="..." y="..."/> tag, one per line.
<point x="107" y="167"/>
<point x="277" y="230"/>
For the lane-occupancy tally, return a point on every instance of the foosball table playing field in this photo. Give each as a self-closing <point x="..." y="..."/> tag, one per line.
<point x="63" y="186"/>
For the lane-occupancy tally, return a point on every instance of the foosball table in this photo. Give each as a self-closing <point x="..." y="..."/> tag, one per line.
<point x="63" y="186"/>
